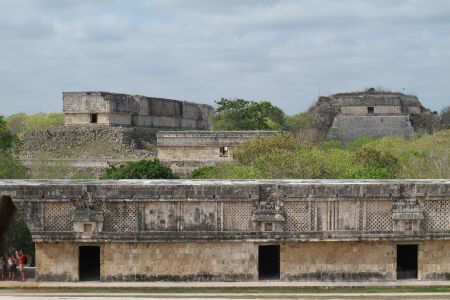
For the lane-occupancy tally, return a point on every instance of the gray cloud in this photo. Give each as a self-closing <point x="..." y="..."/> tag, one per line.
<point x="288" y="52"/>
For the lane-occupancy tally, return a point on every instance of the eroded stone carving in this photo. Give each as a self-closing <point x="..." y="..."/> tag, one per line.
<point x="407" y="213"/>
<point x="269" y="214"/>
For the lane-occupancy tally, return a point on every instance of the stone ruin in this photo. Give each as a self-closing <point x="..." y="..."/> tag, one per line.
<point x="198" y="230"/>
<point x="185" y="151"/>
<point x="370" y="113"/>
<point x="112" y="109"/>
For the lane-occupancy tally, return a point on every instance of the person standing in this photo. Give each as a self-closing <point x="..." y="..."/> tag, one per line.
<point x="11" y="267"/>
<point x="22" y="262"/>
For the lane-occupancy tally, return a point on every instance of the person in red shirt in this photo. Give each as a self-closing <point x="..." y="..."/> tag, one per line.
<point x="22" y="261"/>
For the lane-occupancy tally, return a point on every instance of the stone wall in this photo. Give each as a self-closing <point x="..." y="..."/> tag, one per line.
<point x="178" y="261"/>
<point x="46" y="140"/>
<point x="363" y="110"/>
<point x="238" y="261"/>
<point x="57" y="261"/>
<point x="335" y="261"/>
<point x="408" y="103"/>
<point x="347" y="128"/>
<point x="346" y="117"/>
<point x="73" y="149"/>
<point x="201" y="209"/>
<point x="434" y="260"/>
<point x="184" y="151"/>
<point x="318" y="224"/>
<point x="194" y="153"/>
<point x="151" y="261"/>
<point x="127" y="110"/>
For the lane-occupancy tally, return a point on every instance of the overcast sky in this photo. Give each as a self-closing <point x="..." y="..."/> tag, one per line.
<point x="287" y="52"/>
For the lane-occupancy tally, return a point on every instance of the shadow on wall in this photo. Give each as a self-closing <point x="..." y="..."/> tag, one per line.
<point x="7" y="214"/>
<point x="14" y="233"/>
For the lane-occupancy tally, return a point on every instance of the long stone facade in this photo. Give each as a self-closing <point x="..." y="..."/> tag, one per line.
<point x="146" y="230"/>
<point x="112" y="109"/>
<point x="184" y="151"/>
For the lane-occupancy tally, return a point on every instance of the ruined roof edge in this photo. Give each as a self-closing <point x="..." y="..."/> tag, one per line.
<point x="103" y="93"/>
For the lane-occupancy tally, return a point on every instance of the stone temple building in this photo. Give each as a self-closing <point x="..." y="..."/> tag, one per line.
<point x="104" y="108"/>
<point x="184" y="151"/>
<point x="375" y="114"/>
<point x="146" y="230"/>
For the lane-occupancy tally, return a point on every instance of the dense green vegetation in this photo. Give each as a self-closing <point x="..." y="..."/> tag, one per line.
<point x="424" y="156"/>
<point x="143" y="169"/>
<point x="10" y="167"/>
<point x="18" y="236"/>
<point x="240" y="114"/>
<point x="20" y="123"/>
<point x="445" y="117"/>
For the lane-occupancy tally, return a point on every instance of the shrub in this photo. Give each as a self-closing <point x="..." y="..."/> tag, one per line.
<point x="246" y="153"/>
<point x="225" y="170"/>
<point x="20" y="123"/>
<point x="11" y="168"/>
<point x="359" y="142"/>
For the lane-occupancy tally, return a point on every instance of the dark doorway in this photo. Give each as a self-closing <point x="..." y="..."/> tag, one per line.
<point x="406" y="261"/>
<point x="370" y="110"/>
<point x="269" y="262"/>
<point x="89" y="263"/>
<point x="93" y="118"/>
<point x="7" y="214"/>
<point x="14" y="233"/>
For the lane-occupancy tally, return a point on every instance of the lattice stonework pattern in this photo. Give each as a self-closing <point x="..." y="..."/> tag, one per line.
<point x="120" y="217"/>
<point x="58" y="216"/>
<point x="437" y="215"/>
<point x="361" y="216"/>
<point x="297" y="216"/>
<point x="237" y="216"/>
<point x="379" y="216"/>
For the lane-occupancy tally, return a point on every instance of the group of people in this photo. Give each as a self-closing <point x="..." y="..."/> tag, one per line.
<point x="10" y="263"/>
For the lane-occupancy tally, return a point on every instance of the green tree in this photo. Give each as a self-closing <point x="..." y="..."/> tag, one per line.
<point x="7" y="139"/>
<point x="240" y="114"/>
<point x="376" y="164"/>
<point x="143" y="169"/>
<point x="11" y="168"/>
<point x="301" y="125"/>
<point x="298" y="122"/>
<point x="19" y="237"/>
<point x="445" y="117"/>
<point x="19" y="123"/>
<point x="2" y="123"/>
<point x="42" y="121"/>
